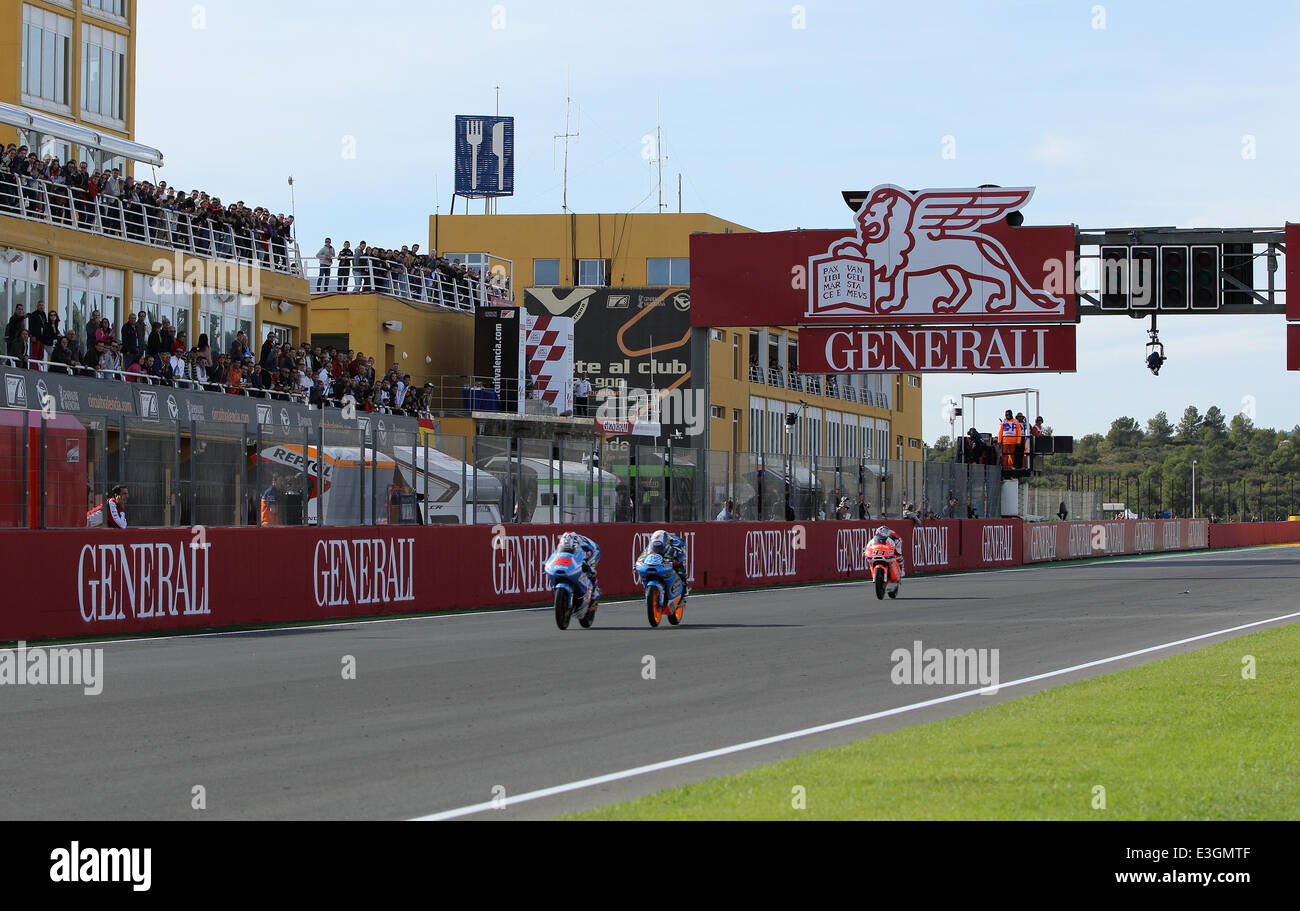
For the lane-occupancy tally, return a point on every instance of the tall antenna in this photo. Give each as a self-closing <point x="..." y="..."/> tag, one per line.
<point x="660" y="157"/>
<point x="567" y="135"/>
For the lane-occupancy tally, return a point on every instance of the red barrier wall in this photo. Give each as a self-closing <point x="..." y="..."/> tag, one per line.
<point x="106" y="583"/>
<point x="1048" y="541"/>
<point x="1254" y="534"/>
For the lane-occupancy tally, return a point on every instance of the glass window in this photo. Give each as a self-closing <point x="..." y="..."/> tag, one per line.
<point x="103" y="72"/>
<point x="546" y="272"/>
<point x="46" y="41"/>
<point x="668" y="271"/>
<point x="591" y="273"/>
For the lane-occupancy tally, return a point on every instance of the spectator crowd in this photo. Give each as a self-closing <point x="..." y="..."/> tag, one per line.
<point x="223" y="230"/>
<point x="404" y="273"/>
<point x="154" y="352"/>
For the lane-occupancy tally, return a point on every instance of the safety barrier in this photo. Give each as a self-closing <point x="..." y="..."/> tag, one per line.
<point x="1049" y="541"/>
<point x="138" y="582"/>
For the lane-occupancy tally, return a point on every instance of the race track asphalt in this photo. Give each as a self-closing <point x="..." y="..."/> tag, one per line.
<point x="444" y="710"/>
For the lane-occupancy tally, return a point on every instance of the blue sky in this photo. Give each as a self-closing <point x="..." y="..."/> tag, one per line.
<point x="770" y="109"/>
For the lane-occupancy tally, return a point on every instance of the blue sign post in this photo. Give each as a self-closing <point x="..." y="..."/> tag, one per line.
<point x="485" y="156"/>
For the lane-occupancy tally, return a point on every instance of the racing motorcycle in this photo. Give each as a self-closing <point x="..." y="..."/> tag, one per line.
<point x="574" y="593"/>
<point x="884" y="569"/>
<point x="664" y="589"/>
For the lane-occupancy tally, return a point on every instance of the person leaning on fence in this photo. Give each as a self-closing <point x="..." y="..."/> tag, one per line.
<point x="728" y="513"/>
<point x="112" y="514"/>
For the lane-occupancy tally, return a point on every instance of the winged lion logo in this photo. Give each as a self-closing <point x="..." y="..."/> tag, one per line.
<point x="923" y="253"/>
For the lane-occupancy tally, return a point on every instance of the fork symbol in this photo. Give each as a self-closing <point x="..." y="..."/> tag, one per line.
<point x="474" y="135"/>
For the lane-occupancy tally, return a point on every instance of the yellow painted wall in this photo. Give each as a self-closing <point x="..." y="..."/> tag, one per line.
<point x="627" y="240"/>
<point x="446" y="338"/>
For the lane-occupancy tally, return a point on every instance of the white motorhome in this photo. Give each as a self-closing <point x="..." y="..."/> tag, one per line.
<point x="564" y="491"/>
<point x="354" y="481"/>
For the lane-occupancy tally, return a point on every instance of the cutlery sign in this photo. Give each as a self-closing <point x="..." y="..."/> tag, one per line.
<point x="485" y="156"/>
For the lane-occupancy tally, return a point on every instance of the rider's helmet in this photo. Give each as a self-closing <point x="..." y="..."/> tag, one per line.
<point x="883" y="534"/>
<point x="659" y="543"/>
<point x="570" y="543"/>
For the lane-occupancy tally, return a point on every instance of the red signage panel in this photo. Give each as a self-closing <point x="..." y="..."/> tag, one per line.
<point x="1293" y="343"/>
<point x="1293" y="272"/>
<point x="935" y="256"/>
<point x="938" y="349"/>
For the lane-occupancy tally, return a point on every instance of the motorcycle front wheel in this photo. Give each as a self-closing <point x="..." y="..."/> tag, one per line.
<point x="563" y="608"/>
<point x="653" y="609"/>
<point x="880" y="583"/>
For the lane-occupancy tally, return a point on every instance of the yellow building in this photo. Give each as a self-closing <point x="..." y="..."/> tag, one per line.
<point x="73" y="60"/>
<point x="67" y="89"/>
<point x="877" y="416"/>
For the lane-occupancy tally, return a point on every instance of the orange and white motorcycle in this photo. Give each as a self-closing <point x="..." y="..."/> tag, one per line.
<point x="886" y="564"/>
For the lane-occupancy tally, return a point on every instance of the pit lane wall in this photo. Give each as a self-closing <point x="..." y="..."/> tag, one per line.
<point x="93" y="583"/>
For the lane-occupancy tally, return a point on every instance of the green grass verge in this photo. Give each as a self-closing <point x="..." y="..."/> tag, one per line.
<point x="1182" y="738"/>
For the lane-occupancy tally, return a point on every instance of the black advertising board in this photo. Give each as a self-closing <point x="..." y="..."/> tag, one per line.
<point x="496" y="357"/>
<point x="632" y="340"/>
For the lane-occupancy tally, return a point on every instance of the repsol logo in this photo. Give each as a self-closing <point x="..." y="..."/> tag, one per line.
<point x="518" y="563"/>
<point x="1172" y="535"/>
<point x="146" y="580"/>
<point x="769" y="554"/>
<point x="1042" y="543"/>
<point x="1080" y="543"/>
<point x="850" y="548"/>
<point x="930" y="546"/>
<point x="368" y="571"/>
<point x="997" y="544"/>
<point x="1144" y="537"/>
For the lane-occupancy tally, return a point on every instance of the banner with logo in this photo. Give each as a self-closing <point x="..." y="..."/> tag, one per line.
<point x="1048" y="541"/>
<point x="934" y="349"/>
<point x="635" y="343"/>
<point x="547" y="343"/>
<point x="156" y="580"/>
<point x="485" y="156"/>
<point x="85" y="397"/>
<point x="497" y="359"/>
<point x="933" y="256"/>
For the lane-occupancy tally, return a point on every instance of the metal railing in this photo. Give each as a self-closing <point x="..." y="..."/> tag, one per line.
<point x="369" y="274"/>
<point x="108" y="216"/>
<point x="435" y="287"/>
<point x="175" y="382"/>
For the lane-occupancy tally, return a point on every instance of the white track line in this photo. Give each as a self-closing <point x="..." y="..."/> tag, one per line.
<point x="505" y="802"/>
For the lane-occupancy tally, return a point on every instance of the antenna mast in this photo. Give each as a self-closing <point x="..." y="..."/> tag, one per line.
<point x="660" y="157"/>
<point x="566" y="136"/>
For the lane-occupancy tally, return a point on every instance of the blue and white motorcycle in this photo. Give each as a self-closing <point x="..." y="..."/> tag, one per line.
<point x="575" y="596"/>
<point x="665" y="590"/>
